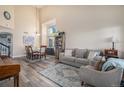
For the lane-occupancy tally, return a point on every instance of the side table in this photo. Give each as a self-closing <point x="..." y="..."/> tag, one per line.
<point x="110" y="53"/>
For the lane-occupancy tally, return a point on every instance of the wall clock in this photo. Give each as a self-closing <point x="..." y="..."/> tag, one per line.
<point x="7" y="15"/>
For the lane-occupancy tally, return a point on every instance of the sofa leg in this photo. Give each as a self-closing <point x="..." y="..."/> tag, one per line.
<point x="82" y="83"/>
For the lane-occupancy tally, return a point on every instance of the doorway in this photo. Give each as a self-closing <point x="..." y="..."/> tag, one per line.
<point x="49" y="32"/>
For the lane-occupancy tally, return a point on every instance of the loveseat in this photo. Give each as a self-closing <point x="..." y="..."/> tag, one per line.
<point x="78" y="57"/>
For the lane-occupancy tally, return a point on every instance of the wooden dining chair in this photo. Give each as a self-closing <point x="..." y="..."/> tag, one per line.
<point x="33" y="54"/>
<point x="27" y="52"/>
<point x="43" y="51"/>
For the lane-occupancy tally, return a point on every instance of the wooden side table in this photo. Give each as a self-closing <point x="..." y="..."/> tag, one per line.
<point x="110" y="53"/>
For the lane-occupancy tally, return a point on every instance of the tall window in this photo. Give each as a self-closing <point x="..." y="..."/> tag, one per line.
<point x="52" y="32"/>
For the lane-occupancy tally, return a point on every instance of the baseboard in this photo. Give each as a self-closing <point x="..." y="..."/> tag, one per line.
<point x="18" y="56"/>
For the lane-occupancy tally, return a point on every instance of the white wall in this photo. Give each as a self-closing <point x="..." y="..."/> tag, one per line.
<point x="25" y="21"/>
<point x="88" y="26"/>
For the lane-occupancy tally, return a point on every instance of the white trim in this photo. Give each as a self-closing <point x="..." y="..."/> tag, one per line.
<point x="18" y="56"/>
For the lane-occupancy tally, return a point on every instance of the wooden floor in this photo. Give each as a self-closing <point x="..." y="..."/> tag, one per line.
<point x="30" y="74"/>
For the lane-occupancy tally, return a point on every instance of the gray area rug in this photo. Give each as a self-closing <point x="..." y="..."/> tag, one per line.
<point x="63" y="75"/>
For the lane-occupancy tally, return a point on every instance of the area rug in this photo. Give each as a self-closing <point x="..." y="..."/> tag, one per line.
<point x="63" y="75"/>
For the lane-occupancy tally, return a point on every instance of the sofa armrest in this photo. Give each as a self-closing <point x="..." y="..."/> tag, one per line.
<point x="100" y="79"/>
<point x="88" y="66"/>
<point x="95" y="60"/>
<point x="100" y="58"/>
<point x="61" y="55"/>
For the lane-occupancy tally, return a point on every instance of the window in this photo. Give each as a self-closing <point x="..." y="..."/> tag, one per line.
<point x="52" y="32"/>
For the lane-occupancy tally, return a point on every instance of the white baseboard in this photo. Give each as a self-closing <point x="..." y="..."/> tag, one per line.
<point x="18" y="56"/>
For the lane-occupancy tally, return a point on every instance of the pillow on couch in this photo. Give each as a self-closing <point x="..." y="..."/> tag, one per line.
<point x="92" y="55"/>
<point x="68" y="52"/>
<point x="80" y="53"/>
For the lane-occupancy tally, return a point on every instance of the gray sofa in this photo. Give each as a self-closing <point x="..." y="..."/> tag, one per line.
<point x="78" y="57"/>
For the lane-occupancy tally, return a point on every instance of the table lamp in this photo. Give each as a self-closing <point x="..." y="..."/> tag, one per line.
<point x="114" y="40"/>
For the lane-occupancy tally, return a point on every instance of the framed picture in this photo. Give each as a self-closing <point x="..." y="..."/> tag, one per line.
<point x="28" y="40"/>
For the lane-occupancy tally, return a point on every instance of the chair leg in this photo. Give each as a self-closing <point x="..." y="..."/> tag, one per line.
<point x="45" y="56"/>
<point x="82" y="83"/>
<point x="32" y="57"/>
<point x="38" y="56"/>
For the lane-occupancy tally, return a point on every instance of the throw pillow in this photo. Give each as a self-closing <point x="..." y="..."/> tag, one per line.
<point x="92" y="55"/>
<point x="68" y="52"/>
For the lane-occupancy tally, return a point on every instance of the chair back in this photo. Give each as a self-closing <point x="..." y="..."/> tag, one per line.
<point x="26" y="49"/>
<point x="30" y="50"/>
<point x="43" y="49"/>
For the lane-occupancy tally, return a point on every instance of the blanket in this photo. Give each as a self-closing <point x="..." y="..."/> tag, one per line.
<point x="117" y="63"/>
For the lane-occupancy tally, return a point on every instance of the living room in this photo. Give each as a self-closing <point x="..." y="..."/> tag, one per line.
<point x="87" y="28"/>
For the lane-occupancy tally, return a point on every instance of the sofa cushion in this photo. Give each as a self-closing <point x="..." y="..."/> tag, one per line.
<point x="82" y="61"/>
<point x="68" y="52"/>
<point x="73" y="52"/>
<point x="68" y="58"/>
<point x="81" y="53"/>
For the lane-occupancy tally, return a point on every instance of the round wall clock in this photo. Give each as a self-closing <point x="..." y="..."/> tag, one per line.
<point x="7" y="15"/>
